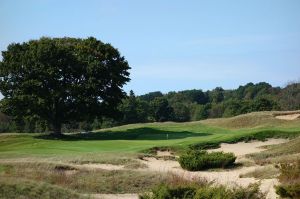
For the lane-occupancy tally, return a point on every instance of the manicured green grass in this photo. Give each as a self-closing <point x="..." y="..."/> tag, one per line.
<point x="131" y="139"/>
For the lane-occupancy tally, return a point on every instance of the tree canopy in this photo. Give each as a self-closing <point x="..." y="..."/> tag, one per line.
<point x="61" y="80"/>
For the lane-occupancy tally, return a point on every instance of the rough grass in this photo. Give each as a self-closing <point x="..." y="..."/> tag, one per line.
<point x="266" y="172"/>
<point x="83" y="180"/>
<point x="204" y="191"/>
<point x="15" y="188"/>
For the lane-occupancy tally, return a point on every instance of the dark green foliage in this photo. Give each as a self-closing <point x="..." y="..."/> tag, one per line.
<point x="197" y="96"/>
<point x="134" y="110"/>
<point x="204" y="146"/>
<point x="61" y="80"/>
<point x="264" y="104"/>
<point x="181" y="112"/>
<point x="151" y="96"/>
<point x="195" y="160"/>
<point x="216" y="95"/>
<point x="198" y="112"/>
<point x="161" y="110"/>
<point x="216" y="110"/>
<point x="289" y="97"/>
<point x="204" y="191"/>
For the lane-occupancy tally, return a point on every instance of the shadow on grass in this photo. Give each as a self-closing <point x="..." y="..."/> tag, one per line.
<point x="130" y="134"/>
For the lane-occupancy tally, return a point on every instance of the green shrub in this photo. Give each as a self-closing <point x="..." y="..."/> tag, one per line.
<point x="204" y="146"/>
<point x="167" y="192"/>
<point x="195" y="160"/>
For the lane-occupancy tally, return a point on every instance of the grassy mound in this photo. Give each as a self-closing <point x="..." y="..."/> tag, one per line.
<point x="252" y="120"/>
<point x="195" y="160"/>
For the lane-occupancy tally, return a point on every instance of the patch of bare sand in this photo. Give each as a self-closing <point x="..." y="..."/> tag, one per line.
<point x="243" y="148"/>
<point x="163" y="153"/>
<point x="267" y="186"/>
<point x="288" y="117"/>
<point x="110" y="167"/>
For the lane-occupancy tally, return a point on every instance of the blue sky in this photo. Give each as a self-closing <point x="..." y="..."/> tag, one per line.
<point x="174" y="45"/>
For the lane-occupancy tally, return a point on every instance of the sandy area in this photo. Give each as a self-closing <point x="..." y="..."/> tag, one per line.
<point x="243" y="148"/>
<point x="110" y="167"/>
<point x="225" y="177"/>
<point x="228" y="177"/>
<point x="288" y="117"/>
<point x="163" y="153"/>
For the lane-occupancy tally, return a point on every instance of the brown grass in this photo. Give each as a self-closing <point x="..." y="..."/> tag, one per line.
<point x="266" y="172"/>
<point x="82" y="180"/>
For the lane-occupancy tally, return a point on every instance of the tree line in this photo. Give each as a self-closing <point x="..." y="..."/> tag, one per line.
<point x="182" y="106"/>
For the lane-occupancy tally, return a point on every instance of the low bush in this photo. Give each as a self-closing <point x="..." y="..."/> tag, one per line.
<point x="204" y="192"/>
<point x="195" y="160"/>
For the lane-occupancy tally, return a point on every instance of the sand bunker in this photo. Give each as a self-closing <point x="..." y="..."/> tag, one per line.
<point x="288" y="117"/>
<point x="226" y="177"/>
<point x="243" y="148"/>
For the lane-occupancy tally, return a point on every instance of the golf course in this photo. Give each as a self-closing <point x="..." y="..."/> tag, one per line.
<point x="118" y="160"/>
<point x="149" y="99"/>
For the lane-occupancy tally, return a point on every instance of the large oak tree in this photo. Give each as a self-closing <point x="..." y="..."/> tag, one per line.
<point x="61" y="80"/>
